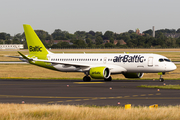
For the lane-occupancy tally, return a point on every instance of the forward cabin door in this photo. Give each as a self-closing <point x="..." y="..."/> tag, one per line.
<point x="104" y="60"/>
<point x="150" y="62"/>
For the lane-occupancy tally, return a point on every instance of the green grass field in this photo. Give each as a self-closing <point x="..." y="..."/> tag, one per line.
<point x="176" y="87"/>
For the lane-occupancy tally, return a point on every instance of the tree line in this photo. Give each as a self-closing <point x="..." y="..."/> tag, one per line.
<point x="92" y="39"/>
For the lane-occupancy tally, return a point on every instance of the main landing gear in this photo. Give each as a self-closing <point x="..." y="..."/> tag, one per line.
<point x="108" y="79"/>
<point x="86" y="79"/>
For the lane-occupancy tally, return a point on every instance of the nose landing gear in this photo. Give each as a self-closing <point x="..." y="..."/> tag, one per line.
<point x="161" y="74"/>
<point x="161" y="79"/>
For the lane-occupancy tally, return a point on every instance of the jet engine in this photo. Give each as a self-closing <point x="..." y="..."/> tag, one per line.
<point x="133" y="75"/>
<point x="99" y="72"/>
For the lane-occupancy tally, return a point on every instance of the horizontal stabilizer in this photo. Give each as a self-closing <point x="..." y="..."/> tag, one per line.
<point x="25" y="56"/>
<point x="13" y="56"/>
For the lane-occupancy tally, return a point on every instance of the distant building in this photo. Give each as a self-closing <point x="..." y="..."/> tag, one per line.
<point x="122" y="42"/>
<point x="138" y="32"/>
<point x="115" y="42"/>
<point x="106" y="41"/>
<point x="11" y="46"/>
<point x="172" y="35"/>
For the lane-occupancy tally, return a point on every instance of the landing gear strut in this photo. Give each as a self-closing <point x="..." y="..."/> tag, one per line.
<point x="161" y="79"/>
<point x="108" y="79"/>
<point x="86" y="79"/>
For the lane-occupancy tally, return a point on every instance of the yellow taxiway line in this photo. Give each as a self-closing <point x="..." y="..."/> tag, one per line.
<point x="88" y="82"/>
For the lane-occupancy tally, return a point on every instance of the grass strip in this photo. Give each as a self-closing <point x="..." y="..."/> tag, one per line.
<point x="71" y="112"/>
<point x="176" y="87"/>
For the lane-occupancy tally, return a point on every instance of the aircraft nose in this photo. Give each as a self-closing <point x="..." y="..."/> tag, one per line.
<point x="171" y="67"/>
<point x="174" y="67"/>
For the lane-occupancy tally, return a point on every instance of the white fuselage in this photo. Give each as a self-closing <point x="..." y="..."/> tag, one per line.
<point x="118" y="63"/>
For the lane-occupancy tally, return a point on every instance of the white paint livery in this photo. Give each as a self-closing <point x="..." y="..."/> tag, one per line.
<point x="83" y="62"/>
<point x="96" y="65"/>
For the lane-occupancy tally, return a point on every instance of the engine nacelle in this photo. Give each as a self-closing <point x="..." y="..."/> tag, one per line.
<point x="99" y="72"/>
<point x="133" y="75"/>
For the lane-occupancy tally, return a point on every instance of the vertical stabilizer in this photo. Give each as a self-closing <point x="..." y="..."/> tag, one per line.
<point x="35" y="46"/>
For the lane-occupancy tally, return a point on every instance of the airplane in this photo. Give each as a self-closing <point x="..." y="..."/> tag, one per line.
<point x="97" y="66"/>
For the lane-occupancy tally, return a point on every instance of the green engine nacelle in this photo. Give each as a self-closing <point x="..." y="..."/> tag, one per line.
<point x="99" y="72"/>
<point x="133" y="75"/>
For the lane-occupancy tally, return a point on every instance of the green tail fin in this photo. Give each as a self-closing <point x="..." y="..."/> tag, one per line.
<point x="35" y="46"/>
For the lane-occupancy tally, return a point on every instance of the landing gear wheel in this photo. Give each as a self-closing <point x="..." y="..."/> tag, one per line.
<point x="161" y="80"/>
<point x="86" y="79"/>
<point x="108" y="79"/>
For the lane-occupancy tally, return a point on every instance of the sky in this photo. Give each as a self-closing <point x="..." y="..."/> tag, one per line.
<point x="85" y="15"/>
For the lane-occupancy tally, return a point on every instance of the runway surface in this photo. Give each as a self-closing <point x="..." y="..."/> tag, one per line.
<point x="76" y="92"/>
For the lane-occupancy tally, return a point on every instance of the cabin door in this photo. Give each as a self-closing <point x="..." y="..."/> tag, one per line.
<point x="150" y="62"/>
<point x="104" y="60"/>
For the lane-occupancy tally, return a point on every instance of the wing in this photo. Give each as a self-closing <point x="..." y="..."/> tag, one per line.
<point x="63" y="63"/>
<point x="115" y="69"/>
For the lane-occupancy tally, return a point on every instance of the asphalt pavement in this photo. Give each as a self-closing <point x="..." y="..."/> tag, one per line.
<point x="96" y="92"/>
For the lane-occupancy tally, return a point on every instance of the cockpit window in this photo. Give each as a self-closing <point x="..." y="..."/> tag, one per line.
<point x="161" y="60"/>
<point x="167" y="60"/>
